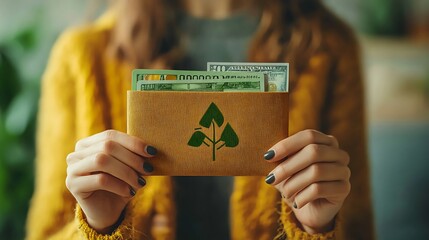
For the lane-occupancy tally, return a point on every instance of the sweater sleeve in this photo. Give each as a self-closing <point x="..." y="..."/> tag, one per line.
<point x="342" y="115"/>
<point x="123" y="231"/>
<point x="291" y="231"/>
<point x="52" y="213"/>
<point x="344" y="118"/>
<point x="52" y="205"/>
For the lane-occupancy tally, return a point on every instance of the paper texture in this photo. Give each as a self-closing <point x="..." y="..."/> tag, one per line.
<point x="209" y="133"/>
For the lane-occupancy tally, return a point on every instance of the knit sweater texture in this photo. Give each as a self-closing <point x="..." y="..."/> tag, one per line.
<point x="84" y="92"/>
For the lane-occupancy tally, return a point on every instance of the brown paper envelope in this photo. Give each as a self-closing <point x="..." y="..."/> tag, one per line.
<point x="209" y="133"/>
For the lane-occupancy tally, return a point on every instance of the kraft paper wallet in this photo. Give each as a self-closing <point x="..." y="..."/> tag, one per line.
<point x="209" y="133"/>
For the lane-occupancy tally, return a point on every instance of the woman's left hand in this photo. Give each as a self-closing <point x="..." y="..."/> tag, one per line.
<point x="313" y="177"/>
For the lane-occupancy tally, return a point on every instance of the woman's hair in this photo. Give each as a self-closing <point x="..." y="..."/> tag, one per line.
<point x="289" y="31"/>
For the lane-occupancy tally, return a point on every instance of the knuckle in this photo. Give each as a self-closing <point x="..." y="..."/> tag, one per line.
<point x="313" y="151"/>
<point x="315" y="189"/>
<point x="101" y="159"/>
<point x="72" y="170"/>
<point x="315" y="171"/>
<point x="109" y="146"/>
<point x="69" y="158"/>
<point x="133" y="143"/>
<point x="346" y="158"/>
<point x="283" y="170"/>
<point x="102" y="180"/>
<point x="78" y="145"/>
<point x="136" y="145"/>
<point x="110" y="134"/>
<point x="335" y="140"/>
<point x="348" y="173"/>
<point x="311" y="135"/>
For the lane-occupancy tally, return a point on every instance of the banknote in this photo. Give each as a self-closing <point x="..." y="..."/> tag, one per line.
<point x="277" y="74"/>
<point x="217" y="85"/>
<point x="227" y="80"/>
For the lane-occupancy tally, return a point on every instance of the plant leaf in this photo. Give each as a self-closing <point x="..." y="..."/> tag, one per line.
<point x="212" y="113"/>
<point x="10" y="84"/>
<point x="229" y="136"/>
<point x="197" y="139"/>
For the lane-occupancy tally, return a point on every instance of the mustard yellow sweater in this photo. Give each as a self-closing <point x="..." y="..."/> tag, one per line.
<point x="84" y="92"/>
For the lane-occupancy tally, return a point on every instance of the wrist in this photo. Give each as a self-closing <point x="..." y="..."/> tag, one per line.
<point x="316" y="229"/>
<point x="106" y="228"/>
<point x="100" y="229"/>
<point x="322" y="229"/>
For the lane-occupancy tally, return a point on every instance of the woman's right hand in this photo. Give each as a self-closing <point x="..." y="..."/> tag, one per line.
<point x="104" y="173"/>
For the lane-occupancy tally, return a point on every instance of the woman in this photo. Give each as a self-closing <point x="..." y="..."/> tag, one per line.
<point x="105" y="171"/>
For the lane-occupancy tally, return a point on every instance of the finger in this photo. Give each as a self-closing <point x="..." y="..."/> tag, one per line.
<point x="334" y="192"/>
<point x="105" y="163"/>
<point x="115" y="150"/>
<point x="319" y="172"/>
<point x="289" y="201"/>
<point x="82" y="187"/>
<point x="132" y="143"/>
<point x="296" y="142"/>
<point x="309" y="155"/>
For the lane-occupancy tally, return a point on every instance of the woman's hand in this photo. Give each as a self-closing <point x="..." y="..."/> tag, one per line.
<point x="104" y="173"/>
<point x="313" y="177"/>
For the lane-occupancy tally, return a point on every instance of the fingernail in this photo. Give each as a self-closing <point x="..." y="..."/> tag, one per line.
<point x="270" y="178"/>
<point x="294" y="205"/>
<point x="141" y="181"/>
<point x="132" y="192"/>
<point x="151" y="150"/>
<point x="147" y="167"/>
<point x="269" y="155"/>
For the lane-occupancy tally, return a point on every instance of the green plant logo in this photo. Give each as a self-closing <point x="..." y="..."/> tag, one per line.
<point x="213" y="119"/>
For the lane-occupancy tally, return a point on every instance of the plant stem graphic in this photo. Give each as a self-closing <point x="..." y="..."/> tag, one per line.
<point x="213" y="142"/>
<point x="213" y="118"/>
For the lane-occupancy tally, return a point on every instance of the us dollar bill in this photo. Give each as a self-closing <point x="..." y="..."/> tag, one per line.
<point x="213" y="85"/>
<point x="206" y="80"/>
<point x="277" y="74"/>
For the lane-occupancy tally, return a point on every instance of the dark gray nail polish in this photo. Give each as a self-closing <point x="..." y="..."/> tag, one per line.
<point x="270" y="178"/>
<point x="269" y="155"/>
<point x="294" y="205"/>
<point x="132" y="192"/>
<point x="147" y="167"/>
<point x="141" y="181"/>
<point x="151" y="150"/>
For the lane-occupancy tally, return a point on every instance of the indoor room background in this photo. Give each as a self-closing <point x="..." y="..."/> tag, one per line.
<point x="394" y="38"/>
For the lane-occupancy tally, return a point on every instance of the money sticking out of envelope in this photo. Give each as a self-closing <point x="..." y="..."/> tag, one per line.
<point x="210" y="123"/>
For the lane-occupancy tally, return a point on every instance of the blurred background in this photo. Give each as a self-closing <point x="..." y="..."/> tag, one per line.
<point x="394" y="36"/>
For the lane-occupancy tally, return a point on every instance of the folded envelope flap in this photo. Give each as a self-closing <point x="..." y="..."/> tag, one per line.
<point x="209" y="133"/>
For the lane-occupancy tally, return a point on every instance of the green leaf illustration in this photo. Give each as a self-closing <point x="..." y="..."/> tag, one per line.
<point x="229" y="136"/>
<point x="197" y="139"/>
<point x="210" y="119"/>
<point x="212" y="114"/>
